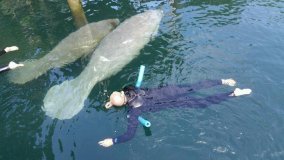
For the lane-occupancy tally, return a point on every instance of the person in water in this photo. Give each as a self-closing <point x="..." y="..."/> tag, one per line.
<point x="11" y="65"/>
<point x="141" y="100"/>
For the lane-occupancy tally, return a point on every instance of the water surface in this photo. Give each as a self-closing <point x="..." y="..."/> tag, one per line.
<point x="197" y="40"/>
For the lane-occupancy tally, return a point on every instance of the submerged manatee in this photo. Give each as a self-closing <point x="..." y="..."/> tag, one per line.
<point x="77" y="44"/>
<point x="115" y="51"/>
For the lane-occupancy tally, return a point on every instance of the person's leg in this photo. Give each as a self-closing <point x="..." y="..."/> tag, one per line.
<point x="218" y="98"/>
<point x="208" y="84"/>
<point x="190" y="102"/>
<point x="207" y="101"/>
<point x="171" y="91"/>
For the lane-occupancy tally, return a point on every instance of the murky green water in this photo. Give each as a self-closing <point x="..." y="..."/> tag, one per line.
<point x="197" y="40"/>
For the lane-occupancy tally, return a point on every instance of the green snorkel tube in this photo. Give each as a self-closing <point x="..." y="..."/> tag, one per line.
<point x="143" y="121"/>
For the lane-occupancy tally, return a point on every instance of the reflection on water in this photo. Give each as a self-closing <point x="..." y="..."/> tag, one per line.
<point x="196" y="40"/>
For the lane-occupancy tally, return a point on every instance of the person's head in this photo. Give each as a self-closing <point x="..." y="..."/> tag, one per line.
<point x="116" y="99"/>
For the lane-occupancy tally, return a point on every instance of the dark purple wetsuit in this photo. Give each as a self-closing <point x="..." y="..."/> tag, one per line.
<point x="156" y="99"/>
<point x="5" y="68"/>
<point x="2" y="52"/>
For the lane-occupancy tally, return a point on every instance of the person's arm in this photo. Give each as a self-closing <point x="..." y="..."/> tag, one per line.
<point x="129" y="134"/>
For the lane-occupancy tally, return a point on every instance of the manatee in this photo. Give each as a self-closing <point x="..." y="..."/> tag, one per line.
<point x="75" y="45"/>
<point x="115" y="51"/>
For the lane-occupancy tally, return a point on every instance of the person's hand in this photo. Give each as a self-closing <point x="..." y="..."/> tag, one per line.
<point x="106" y="142"/>
<point x="13" y="65"/>
<point x="12" y="48"/>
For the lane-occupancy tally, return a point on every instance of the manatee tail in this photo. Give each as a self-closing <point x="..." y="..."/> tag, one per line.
<point x="32" y="69"/>
<point x="67" y="99"/>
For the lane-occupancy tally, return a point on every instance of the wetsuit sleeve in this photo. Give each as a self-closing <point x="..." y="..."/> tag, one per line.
<point x="131" y="128"/>
<point x="2" y="52"/>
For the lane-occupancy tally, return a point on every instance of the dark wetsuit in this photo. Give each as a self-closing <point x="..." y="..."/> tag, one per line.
<point x="156" y="99"/>
<point x="5" y="68"/>
<point x="2" y="52"/>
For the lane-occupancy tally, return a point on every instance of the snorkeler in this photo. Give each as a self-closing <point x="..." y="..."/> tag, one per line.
<point x="141" y="100"/>
<point x="8" y="49"/>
